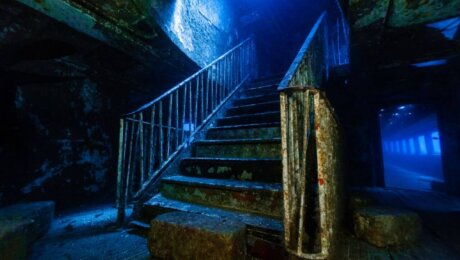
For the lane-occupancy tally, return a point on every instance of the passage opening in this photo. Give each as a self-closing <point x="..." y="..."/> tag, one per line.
<point x="411" y="148"/>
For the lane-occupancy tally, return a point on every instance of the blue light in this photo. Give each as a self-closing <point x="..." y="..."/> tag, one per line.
<point x="447" y="27"/>
<point x="422" y="145"/>
<point x="412" y="146"/>
<point x="430" y="63"/>
<point x="404" y="147"/>
<point x="436" y="143"/>
<point x="401" y="107"/>
<point x="397" y="147"/>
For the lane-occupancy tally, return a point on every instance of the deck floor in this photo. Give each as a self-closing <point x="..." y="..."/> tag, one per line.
<point x="440" y="216"/>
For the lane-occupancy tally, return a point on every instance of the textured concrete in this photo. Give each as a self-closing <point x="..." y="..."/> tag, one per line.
<point x="90" y="234"/>
<point x="257" y="198"/>
<point x="179" y="235"/>
<point x="21" y="225"/>
<point x="387" y="227"/>
<point x="250" y="148"/>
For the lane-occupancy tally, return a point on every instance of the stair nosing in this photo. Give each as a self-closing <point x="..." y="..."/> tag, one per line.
<point x="247" y="126"/>
<point x="254" y="97"/>
<point x="255" y="105"/>
<point x="230" y="141"/>
<point x="250" y="219"/>
<point x="251" y="115"/>
<point x="223" y="183"/>
<point x="274" y="86"/>
<point x="269" y="160"/>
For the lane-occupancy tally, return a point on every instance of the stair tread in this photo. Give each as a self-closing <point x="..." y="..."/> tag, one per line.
<point x="240" y="141"/>
<point x="232" y="159"/>
<point x="247" y="218"/>
<point x="258" y="96"/>
<point x="256" y="104"/>
<point x="223" y="183"/>
<point x="262" y="88"/>
<point x="252" y="115"/>
<point x="259" y="125"/>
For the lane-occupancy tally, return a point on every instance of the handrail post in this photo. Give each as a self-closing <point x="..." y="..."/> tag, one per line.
<point x="212" y="86"/>
<point x="120" y="200"/>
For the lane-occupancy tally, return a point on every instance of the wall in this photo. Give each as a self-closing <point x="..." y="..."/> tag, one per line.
<point x="60" y="103"/>
<point x="202" y="29"/>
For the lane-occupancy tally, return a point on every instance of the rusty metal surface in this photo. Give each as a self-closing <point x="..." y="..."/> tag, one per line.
<point x="400" y="13"/>
<point x="152" y="136"/>
<point x="311" y="173"/>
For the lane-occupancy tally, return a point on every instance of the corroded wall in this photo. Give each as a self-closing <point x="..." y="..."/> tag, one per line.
<point x="202" y="29"/>
<point x="61" y="95"/>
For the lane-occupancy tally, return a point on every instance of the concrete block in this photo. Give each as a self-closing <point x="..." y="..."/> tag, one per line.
<point x="21" y="225"/>
<point x="387" y="227"/>
<point x="180" y="235"/>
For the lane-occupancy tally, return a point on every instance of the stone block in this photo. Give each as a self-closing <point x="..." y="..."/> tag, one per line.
<point x="180" y="235"/>
<point x="21" y="225"/>
<point x="387" y="227"/>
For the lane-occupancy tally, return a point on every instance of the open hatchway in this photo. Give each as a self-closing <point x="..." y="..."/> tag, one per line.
<point x="411" y="148"/>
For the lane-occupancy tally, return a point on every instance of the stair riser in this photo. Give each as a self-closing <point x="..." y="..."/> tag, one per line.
<point x="269" y="132"/>
<point x="259" y="91"/>
<point x="253" y="109"/>
<point x="256" y="119"/>
<point x="248" y="171"/>
<point x="254" y="100"/>
<point x="266" y="150"/>
<point x="262" y="202"/>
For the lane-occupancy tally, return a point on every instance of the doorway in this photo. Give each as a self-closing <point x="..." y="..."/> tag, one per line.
<point x="411" y="148"/>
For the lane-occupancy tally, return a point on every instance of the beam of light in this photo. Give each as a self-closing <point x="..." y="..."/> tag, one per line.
<point x="430" y="63"/>
<point x="447" y="27"/>
<point x="422" y="145"/>
<point x="180" y="29"/>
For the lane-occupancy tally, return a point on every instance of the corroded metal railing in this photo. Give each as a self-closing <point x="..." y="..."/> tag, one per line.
<point x="153" y="135"/>
<point x="311" y="146"/>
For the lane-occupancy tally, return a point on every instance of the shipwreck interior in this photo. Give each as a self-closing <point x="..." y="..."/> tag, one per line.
<point x="230" y="129"/>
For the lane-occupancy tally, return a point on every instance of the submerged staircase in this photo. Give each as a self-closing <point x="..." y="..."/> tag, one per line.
<point x="235" y="173"/>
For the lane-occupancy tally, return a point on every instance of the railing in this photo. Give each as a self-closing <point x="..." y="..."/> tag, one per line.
<point x="311" y="145"/>
<point x="153" y="135"/>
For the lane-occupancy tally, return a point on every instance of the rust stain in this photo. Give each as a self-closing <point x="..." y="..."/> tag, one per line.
<point x="321" y="182"/>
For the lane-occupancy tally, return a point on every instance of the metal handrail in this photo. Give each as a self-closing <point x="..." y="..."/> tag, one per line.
<point x="310" y="138"/>
<point x="154" y="134"/>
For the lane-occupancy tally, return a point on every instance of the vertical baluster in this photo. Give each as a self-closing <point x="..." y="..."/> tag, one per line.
<point x="212" y="87"/>
<point x="225" y="76"/>
<point x="130" y="153"/>
<point x="196" y="102"/>
<point x="141" y="148"/>
<point x="208" y="79"/>
<point x="202" y="117"/>
<point x="221" y="79"/>
<point x="184" y="108"/>
<point x="160" y="127"/>
<point x="120" y="185"/>
<point x="152" y="140"/>
<point x="168" y="136"/>
<point x="190" y="120"/>
<point x="177" y="118"/>
<point x="338" y="42"/>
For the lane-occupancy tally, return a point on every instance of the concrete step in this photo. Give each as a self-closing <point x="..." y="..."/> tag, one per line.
<point x="256" y="99"/>
<point x="271" y="116"/>
<point x="238" y="148"/>
<point x="259" y="90"/>
<point x="252" y="197"/>
<point x="248" y="131"/>
<point x="159" y="205"/>
<point x="21" y="225"/>
<point x="275" y="79"/>
<point x="261" y="170"/>
<point x="181" y="235"/>
<point x="253" y="108"/>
